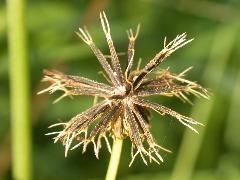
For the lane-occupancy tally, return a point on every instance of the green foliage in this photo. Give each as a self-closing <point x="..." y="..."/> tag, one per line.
<point x="52" y="43"/>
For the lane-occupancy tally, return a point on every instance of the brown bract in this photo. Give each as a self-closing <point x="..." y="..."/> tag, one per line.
<point x="123" y="111"/>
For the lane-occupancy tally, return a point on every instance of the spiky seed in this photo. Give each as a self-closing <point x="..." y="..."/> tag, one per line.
<point x="123" y="112"/>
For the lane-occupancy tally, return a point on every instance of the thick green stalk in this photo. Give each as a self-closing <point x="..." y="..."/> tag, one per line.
<point x="19" y="91"/>
<point x="191" y="144"/>
<point x="114" y="160"/>
<point x="233" y="126"/>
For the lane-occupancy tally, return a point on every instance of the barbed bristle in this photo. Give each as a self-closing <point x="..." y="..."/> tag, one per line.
<point x="123" y="110"/>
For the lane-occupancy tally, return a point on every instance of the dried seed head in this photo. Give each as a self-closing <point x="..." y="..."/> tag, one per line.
<point x="122" y="112"/>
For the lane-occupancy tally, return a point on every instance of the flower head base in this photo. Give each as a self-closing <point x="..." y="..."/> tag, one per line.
<point x="123" y="112"/>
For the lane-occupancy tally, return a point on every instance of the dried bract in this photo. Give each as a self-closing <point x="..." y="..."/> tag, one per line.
<point x="123" y="111"/>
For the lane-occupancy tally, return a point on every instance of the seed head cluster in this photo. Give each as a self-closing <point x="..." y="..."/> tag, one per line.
<point x="122" y="110"/>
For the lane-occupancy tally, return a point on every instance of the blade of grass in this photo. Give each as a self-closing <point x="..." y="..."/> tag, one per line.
<point x="19" y="90"/>
<point x="190" y="146"/>
<point x="233" y="125"/>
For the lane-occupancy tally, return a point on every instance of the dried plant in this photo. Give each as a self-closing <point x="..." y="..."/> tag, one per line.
<point x="123" y="112"/>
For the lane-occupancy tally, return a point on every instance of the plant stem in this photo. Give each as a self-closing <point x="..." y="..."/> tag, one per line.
<point x="19" y="91"/>
<point x="191" y="145"/>
<point x="114" y="160"/>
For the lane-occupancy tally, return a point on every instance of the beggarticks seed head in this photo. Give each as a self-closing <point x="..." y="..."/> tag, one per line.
<point x="122" y="112"/>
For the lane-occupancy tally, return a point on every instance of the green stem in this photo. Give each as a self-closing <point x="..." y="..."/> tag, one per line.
<point x="114" y="160"/>
<point x="19" y="91"/>
<point x="191" y="145"/>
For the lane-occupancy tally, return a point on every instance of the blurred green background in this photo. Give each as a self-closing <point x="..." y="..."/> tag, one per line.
<point x="215" y="52"/>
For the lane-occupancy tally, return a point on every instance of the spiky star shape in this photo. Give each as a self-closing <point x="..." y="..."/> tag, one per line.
<point x="123" y="112"/>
